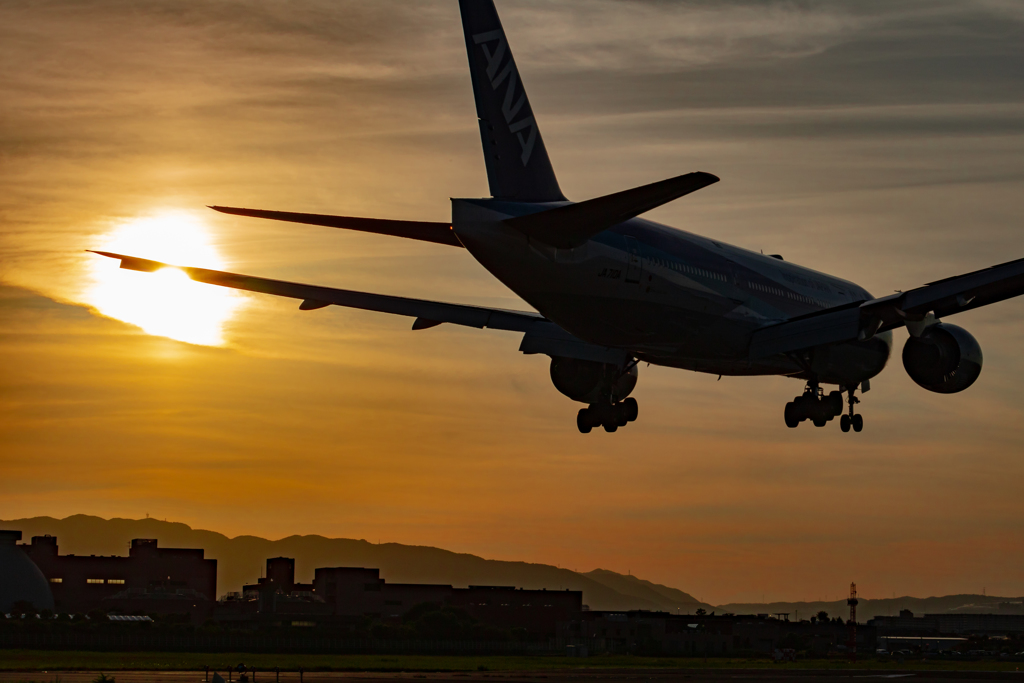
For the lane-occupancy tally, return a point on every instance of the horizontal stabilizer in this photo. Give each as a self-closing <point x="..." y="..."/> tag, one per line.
<point x="572" y="225"/>
<point x="439" y="233"/>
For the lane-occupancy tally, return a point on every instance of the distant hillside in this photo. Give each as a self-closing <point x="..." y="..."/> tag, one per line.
<point x="868" y="609"/>
<point x="242" y="559"/>
<point x="671" y="599"/>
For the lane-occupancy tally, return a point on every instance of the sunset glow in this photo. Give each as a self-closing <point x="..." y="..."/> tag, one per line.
<point x="166" y="303"/>
<point x="880" y="143"/>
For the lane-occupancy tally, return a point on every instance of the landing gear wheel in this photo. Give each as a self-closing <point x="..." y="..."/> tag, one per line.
<point x="835" y="403"/>
<point x="611" y="426"/>
<point x="858" y="422"/>
<point x="819" y="423"/>
<point x="844" y="423"/>
<point x="583" y="421"/>
<point x="631" y="408"/>
<point x="792" y="415"/>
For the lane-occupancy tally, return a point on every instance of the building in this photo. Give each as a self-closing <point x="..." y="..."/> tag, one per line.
<point x="150" y="579"/>
<point x="535" y="611"/>
<point x="21" y="582"/>
<point x="357" y="591"/>
<point x="154" y="580"/>
<point x="358" y="595"/>
<point x="661" y="633"/>
<point x="280" y="578"/>
<point x="949" y="624"/>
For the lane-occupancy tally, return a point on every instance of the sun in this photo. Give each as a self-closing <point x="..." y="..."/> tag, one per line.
<point x="165" y="303"/>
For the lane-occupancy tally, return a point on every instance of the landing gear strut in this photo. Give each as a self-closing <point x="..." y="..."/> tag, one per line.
<point x="851" y="419"/>
<point x="609" y="415"/>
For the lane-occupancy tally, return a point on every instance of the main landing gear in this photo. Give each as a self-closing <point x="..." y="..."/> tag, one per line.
<point x="609" y="415"/>
<point x="850" y="419"/>
<point x="820" y="409"/>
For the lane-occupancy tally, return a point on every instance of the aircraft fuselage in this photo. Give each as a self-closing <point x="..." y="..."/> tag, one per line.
<point x="670" y="297"/>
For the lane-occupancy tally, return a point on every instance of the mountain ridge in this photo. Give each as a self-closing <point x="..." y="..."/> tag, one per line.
<point x="241" y="559"/>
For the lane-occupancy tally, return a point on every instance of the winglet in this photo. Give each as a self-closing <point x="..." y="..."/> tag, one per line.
<point x="133" y="262"/>
<point x="572" y="225"/>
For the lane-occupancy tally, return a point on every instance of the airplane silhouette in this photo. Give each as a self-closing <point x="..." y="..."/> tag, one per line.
<point x="612" y="289"/>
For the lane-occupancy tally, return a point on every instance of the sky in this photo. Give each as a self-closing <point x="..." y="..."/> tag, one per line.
<point x="880" y="142"/>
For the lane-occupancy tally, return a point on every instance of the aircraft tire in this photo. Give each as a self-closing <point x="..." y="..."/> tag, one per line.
<point x="792" y="415"/>
<point x="835" y="402"/>
<point x="583" y="421"/>
<point x="819" y="423"/>
<point x="631" y="408"/>
<point x="611" y="426"/>
<point x="858" y="423"/>
<point x="844" y="423"/>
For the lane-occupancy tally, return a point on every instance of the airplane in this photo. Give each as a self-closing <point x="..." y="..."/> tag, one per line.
<point x="612" y="290"/>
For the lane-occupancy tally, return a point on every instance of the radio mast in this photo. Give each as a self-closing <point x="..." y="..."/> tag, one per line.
<point x="851" y="644"/>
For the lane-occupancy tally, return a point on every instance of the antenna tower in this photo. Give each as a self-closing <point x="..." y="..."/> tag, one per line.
<point x="851" y="644"/>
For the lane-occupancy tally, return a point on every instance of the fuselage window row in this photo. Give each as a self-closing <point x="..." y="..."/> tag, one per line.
<point x="790" y="295"/>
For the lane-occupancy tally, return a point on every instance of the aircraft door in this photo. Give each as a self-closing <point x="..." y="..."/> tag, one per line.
<point x="634" y="264"/>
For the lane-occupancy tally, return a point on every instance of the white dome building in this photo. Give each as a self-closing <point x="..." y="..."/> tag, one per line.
<point x="20" y="578"/>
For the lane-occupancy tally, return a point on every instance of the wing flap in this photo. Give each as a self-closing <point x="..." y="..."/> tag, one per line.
<point x="551" y="340"/>
<point x="818" y="330"/>
<point x="964" y="292"/>
<point x="425" y="231"/>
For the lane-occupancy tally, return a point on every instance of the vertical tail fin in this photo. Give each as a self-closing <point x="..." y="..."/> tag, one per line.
<point x="518" y="167"/>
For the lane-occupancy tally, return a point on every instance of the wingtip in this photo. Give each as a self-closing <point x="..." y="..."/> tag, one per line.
<point x="233" y="210"/>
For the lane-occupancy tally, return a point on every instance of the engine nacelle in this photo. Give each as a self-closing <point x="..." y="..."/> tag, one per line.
<point x="588" y="381"/>
<point x="944" y="359"/>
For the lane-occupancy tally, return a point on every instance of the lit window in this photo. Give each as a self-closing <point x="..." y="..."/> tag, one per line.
<point x="115" y="580"/>
<point x="94" y="580"/>
<point x="56" y="580"/>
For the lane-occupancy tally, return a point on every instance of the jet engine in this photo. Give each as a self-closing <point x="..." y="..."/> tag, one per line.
<point x="589" y="381"/>
<point x="944" y="359"/>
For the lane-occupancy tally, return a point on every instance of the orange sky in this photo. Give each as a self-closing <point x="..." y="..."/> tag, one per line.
<point x="880" y="144"/>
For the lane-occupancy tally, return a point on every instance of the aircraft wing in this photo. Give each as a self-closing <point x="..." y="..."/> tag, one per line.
<point x="427" y="313"/>
<point x="861" y="320"/>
